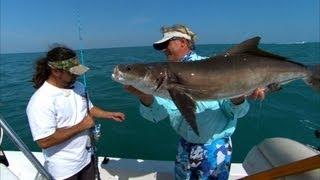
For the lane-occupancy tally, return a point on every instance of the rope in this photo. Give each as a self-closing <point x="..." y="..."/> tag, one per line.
<point x="92" y="137"/>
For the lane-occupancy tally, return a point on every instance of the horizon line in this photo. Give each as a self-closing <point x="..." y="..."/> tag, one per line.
<point x="119" y="47"/>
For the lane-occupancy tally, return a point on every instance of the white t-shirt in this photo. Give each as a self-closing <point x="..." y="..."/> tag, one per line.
<point x="50" y="108"/>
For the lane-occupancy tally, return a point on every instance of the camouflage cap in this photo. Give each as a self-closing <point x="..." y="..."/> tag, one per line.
<point x="71" y="65"/>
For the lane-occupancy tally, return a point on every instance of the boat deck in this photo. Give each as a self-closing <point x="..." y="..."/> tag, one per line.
<point x="116" y="168"/>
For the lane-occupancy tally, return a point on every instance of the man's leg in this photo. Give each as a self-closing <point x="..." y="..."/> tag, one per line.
<point x="87" y="173"/>
<point x="182" y="167"/>
<point x="211" y="161"/>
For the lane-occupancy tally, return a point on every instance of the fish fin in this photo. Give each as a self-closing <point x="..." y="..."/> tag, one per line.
<point x="250" y="46"/>
<point x="186" y="106"/>
<point x="273" y="87"/>
<point x="244" y="46"/>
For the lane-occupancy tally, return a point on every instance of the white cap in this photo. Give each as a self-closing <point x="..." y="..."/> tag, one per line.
<point x="167" y="36"/>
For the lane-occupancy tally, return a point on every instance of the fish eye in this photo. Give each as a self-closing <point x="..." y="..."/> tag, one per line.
<point x="128" y="68"/>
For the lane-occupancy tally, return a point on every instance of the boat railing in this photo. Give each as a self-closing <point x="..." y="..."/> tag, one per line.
<point x="24" y="149"/>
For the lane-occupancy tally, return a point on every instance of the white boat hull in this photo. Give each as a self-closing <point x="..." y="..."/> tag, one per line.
<point x="116" y="168"/>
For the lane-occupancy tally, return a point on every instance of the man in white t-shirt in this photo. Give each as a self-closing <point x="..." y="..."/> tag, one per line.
<point x="60" y="115"/>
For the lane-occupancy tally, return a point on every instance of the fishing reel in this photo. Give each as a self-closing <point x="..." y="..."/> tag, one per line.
<point x="96" y="131"/>
<point x="94" y="137"/>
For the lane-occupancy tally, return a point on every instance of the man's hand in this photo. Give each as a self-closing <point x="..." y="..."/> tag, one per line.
<point x="257" y="94"/>
<point x="87" y="122"/>
<point x="146" y="99"/>
<point x="100" y="113"/>
<point x="117" y="116"/>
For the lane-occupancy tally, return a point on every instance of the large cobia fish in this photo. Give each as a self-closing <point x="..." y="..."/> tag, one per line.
<point x="234" y="73"/>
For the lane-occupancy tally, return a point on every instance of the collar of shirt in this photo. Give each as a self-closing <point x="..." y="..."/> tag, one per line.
<point x="188" y="57"/>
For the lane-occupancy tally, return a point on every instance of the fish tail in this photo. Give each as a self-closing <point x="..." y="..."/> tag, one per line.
<point x="314" y="79"/>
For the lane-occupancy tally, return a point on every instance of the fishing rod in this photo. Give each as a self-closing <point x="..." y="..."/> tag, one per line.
<point x="94" y="132"/>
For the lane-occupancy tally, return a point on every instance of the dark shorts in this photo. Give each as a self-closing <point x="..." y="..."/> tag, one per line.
<point x="87" y="173"/>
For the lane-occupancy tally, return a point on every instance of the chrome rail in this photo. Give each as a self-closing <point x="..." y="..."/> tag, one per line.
<point x="24" y="149"/>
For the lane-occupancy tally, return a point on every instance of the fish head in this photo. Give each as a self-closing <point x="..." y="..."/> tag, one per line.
<point x="145" y="77"/>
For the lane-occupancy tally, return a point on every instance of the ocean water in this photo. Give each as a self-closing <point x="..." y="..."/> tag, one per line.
<point x="293" y="112"/>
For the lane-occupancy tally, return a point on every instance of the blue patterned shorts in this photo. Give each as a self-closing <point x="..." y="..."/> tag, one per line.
<point x="203" y="161"/>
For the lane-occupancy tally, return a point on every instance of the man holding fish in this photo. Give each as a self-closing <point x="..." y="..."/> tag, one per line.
<point x="204" y="126"/>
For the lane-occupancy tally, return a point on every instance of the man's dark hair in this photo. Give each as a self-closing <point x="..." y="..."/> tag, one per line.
<point x="43" y="71"/>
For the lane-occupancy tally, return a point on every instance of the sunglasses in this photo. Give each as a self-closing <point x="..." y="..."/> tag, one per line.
<point x="165" y="44"/>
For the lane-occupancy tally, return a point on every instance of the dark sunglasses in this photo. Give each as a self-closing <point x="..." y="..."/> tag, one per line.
<point x="165" y="44"/>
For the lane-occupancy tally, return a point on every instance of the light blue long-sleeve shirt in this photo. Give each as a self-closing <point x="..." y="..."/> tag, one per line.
<point x="215" y="119"/>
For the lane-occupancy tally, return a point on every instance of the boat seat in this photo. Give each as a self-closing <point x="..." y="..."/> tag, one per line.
<point x="274" y="152"/>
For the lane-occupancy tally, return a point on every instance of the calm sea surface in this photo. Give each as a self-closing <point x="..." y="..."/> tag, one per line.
<point x="293" y="112"/>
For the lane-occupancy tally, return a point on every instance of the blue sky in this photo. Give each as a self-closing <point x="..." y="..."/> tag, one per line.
<point x="33" y="25"/>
